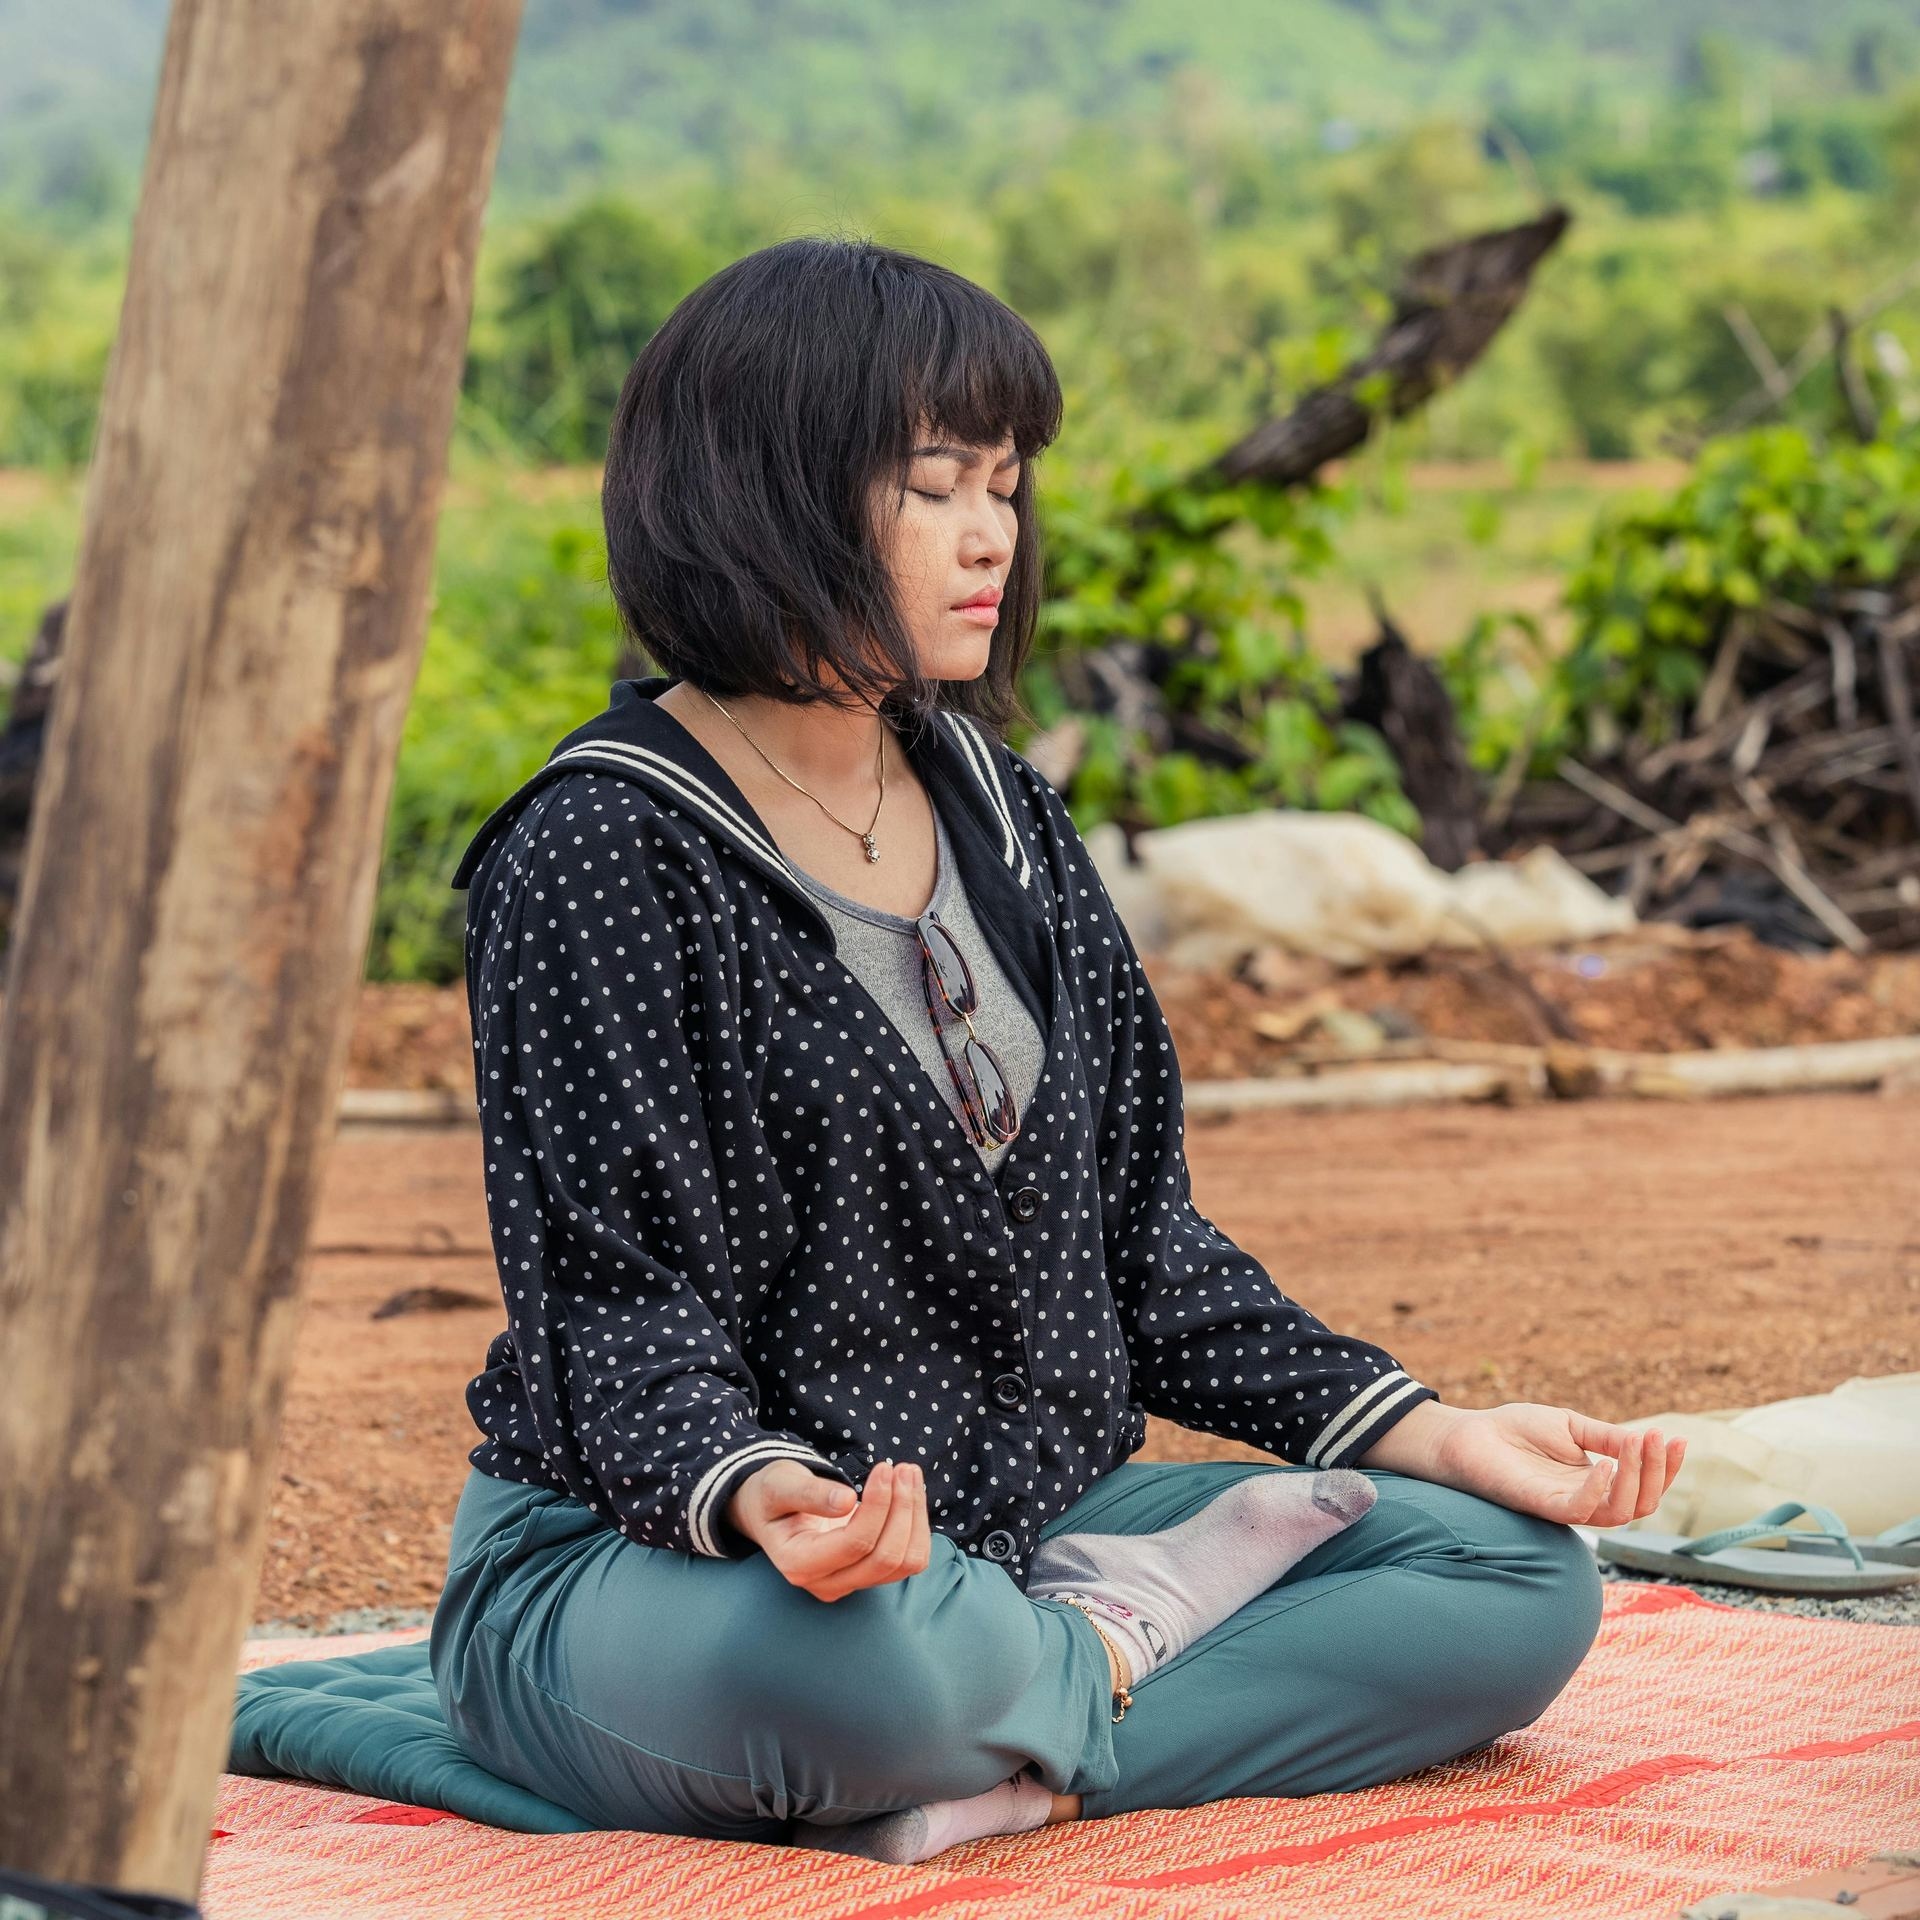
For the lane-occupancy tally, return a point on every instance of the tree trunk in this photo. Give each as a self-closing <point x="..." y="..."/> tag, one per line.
<point x="243" y="637"/>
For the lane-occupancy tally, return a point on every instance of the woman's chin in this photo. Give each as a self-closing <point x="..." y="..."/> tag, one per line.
<point x="959" y="656"/>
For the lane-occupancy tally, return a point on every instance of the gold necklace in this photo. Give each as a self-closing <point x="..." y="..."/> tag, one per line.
<point x="880" y="767"/>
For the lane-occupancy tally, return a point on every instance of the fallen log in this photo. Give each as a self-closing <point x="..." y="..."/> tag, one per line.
<point x="1451" y="302"/>
<point x="1463" y="1071"/>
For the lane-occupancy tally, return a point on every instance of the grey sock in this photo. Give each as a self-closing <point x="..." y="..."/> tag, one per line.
<point x="902" y="1839"/>
<point x="1157" y="1593"/>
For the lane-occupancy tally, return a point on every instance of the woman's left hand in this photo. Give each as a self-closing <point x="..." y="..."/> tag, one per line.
<point x="1534" y="1460"/>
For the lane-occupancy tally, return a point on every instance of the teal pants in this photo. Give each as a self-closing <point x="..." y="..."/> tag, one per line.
<point x="670" y="1692"/>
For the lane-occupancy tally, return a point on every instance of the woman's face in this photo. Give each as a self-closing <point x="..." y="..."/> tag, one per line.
<point x="949" y="541"/>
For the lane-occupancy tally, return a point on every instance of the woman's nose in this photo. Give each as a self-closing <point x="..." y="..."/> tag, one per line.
<point x="989" y="537"/>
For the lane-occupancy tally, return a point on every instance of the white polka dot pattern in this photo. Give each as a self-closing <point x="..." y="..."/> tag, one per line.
<point x="735" y="1221"/>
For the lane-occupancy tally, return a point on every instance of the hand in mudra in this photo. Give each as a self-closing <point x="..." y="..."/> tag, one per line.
<point x="1534" y="1460"/>
<point x="822" y="1538"/>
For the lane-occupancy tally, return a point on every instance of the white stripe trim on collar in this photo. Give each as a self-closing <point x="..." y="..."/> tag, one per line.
<point x="698" y="793"/>
<point x="691" y="789"/>
<point x="979" y="756"/>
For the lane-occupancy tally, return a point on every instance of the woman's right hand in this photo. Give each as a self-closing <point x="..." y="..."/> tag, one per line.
<point x="794" y="1516"/>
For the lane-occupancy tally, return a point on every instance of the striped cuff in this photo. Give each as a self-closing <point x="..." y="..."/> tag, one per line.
<point x="1365" y="1418"/>
<point x="706" y="1510"/>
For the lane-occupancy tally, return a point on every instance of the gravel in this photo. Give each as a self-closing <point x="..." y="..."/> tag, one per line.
<point x="1900" y="1608"/>
<point x="353" y="1620"/>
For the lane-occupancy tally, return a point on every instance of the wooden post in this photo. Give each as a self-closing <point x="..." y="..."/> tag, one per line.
<point x="245" y="628"/>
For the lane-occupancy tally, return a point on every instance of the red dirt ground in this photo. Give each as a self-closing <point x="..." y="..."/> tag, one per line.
<point x="1657" y="990"/>
<point x="1624" y="1258"/>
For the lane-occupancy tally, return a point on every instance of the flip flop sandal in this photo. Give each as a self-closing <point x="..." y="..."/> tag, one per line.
<point x="1724" y="1558"/>
<point x="1899" y="1544"/>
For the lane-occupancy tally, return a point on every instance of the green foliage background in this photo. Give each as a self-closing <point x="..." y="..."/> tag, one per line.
<point x="1203" y="210"/>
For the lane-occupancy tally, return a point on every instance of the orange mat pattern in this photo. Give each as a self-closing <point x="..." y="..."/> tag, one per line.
<point x="1699" y="1749"/>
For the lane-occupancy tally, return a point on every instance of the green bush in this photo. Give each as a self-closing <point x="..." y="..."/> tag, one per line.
<point x="523" y="641"/>
<point x="1765" y="515"/>
<point x="577" y="299"/>
<point x="517" y="655"/>
<point x="1204" y="575"/>
<point x="58" y="310"/>
<point x="1769" y="514"/>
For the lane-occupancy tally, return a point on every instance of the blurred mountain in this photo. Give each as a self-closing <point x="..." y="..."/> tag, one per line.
<point x="607" y="88"/>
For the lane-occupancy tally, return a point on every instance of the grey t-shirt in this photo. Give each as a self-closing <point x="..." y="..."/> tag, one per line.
<point x="882" y="951"/>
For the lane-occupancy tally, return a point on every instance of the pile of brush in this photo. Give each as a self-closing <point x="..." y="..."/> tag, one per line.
<point x="1788" y="800"/>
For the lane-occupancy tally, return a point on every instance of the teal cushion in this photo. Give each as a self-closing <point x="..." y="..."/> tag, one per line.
<point x="372" y="1723"/>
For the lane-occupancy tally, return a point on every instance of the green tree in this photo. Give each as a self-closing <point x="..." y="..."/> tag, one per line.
<point x="581" y="296"/>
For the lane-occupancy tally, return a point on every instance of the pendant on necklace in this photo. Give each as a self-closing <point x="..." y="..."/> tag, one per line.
<point x="873" y="852"/>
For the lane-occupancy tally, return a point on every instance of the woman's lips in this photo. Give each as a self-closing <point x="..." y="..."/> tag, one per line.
<point x="980" y="614"/>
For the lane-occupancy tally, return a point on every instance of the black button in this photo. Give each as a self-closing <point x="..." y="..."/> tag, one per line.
<point x="1025" y="1202"/>
<point x="999" y="1544"/>
<point x="1009" y="1389"/>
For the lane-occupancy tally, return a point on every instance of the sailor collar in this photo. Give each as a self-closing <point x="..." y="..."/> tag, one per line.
<point x="963" y="768"/>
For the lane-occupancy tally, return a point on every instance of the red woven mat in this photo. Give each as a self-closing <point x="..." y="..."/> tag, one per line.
<point x="1699" y="1749"/>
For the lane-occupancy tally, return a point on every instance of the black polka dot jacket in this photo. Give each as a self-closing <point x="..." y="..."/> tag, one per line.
<point x="735" y="1221"/>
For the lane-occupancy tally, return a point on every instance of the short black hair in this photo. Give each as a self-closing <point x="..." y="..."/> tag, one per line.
<point x="744" y="452"/>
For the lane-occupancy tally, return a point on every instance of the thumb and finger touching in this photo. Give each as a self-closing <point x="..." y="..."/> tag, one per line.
<point x="847" y="1529"/>
<point x="1636" y="1482"/>
<point x="800" y="1490"/>
<point x="1629" y="1480"/>
<point x="881" y="1535"/>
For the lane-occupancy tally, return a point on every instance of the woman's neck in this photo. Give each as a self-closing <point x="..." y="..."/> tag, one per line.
<point x="828" y="749"/>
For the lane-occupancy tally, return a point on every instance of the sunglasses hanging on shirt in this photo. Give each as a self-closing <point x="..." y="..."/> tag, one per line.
<point x="948" y="981"/>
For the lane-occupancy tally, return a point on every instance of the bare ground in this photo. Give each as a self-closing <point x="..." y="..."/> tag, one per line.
<point x="1656" y="990"/>
<point x="1626" y="1259"/>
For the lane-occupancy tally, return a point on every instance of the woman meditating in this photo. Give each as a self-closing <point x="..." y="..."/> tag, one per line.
<point x="836" y="1176"/>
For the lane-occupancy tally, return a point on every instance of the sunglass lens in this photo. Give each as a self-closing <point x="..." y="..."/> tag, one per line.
<point x="950" y="970"/>
<point x="990" y="1084"/>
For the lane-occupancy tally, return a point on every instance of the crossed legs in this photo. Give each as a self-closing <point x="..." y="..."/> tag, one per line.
<point x="678" y="1694"/>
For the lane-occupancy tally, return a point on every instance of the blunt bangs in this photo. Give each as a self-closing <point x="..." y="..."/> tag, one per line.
<point x="755" y="433"/>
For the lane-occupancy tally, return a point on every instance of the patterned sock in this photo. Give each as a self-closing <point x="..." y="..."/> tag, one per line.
<point x="1157" y="1593"/>
<point x="1016" y="1805"/>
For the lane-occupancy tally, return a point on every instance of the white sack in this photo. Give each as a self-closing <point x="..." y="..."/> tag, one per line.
<point x="1535" y="901"/>
<point x="1856" y="1450"/>
<point x="1348" y="890"/>
<point x="1333" y="884"/>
